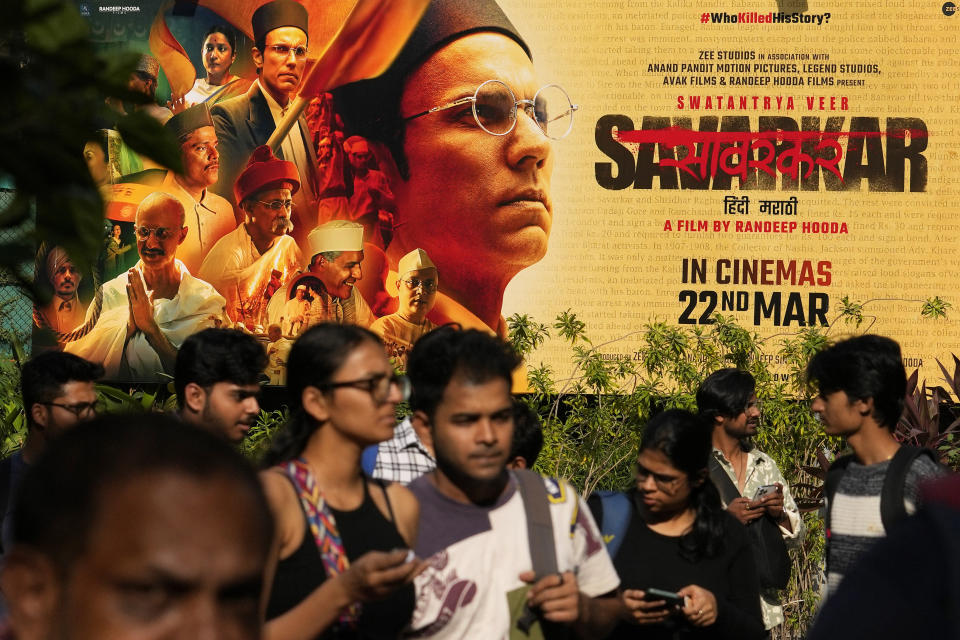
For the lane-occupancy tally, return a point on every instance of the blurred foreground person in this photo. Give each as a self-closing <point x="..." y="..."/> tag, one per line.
<point x="217" y="378"/>
<point x="58" y="392"/>
<point x="507" y="550"/>
<point x="686" y="564"/>
<point x="339" y="566"/>
<point x="139" y="528"/>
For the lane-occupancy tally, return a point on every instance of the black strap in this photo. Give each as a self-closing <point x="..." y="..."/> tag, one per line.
<point x="892" y="507"/>
<point x="386" y="496"/>
<point x="539" y="525"/>
<point x="723" y="483"/>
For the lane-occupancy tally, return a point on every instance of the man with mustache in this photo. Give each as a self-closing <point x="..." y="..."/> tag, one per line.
<point x="728" y="400"/>
<point x="64" y="312"/>
<point x="246" y="122"/>
<point x="151" y="309"/>
<point x="241" y="263"/>
<point x="209" y="216"/>
<point x="217" y="378"/>
<point x="417" y="285"/>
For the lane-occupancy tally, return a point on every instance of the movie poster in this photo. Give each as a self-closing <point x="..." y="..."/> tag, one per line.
<point x="663" y="164"/>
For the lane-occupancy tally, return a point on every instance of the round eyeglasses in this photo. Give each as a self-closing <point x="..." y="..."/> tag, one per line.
<point x="494" y="108"/>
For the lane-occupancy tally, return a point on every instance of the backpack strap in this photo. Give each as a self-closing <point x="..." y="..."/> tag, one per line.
<point x="892" y="507"/>
<point x="614" y="509"/>
<point x="536" y="506"/>
<point x="721" y="480"/>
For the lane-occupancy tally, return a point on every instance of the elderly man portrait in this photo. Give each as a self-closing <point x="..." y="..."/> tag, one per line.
<point x="472" y="190"/>
<point x="150" y="310"/>
<point x="417" y="284"/>
<point x="209" y="217"/>
<point x="64" y="312"/>
<point x="336" y="251"/>
<point x="241" y="263"/>
<point x="246" y="122"/>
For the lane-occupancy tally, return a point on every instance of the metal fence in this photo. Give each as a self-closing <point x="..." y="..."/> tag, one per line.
<point x="16" y="306"/>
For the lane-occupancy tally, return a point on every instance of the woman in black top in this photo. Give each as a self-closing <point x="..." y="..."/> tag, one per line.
<point x="679" y="539"/>
<point x="339" y="567"/>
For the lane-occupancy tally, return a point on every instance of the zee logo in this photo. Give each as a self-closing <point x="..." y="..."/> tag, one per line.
<point x="949" y="8"/>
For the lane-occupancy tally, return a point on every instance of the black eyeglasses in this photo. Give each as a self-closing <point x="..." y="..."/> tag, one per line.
<point x="663" y="482"/>
<point x="378" y="386"/>
<point x="283" y="51"/>
<point x="413" y="283"/>
<point x="79" y="409"/>
<point x="495" y="106"/>
<point x="276" y="205"/>
<point x="162" y="233"/>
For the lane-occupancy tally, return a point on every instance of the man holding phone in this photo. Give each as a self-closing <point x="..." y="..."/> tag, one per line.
<point x="727" y="398"/>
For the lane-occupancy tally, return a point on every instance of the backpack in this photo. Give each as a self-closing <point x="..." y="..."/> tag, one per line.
<point x="612" y="511"/>
<point x="892" y="508"/>
<point x="769" y="549"/>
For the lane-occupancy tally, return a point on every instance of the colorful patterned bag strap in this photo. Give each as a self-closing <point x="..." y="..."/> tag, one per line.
<point x="323" y="527"/>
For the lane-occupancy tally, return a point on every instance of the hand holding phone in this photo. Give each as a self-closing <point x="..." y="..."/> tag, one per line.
<point x="672" y="599"/>
<point x="765" y="490"/>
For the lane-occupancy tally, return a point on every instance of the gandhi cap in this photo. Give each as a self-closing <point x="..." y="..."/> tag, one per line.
<point x="336" y="235"/>
<point x="414" y="261"/>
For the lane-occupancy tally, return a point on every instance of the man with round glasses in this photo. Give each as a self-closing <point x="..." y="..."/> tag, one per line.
<point x="58" y="392"/>
<point x="241" y="264"/>
<point x="417" y="284"/>
<point x="149" y="310"/>
<point x="469" y="128"/>
<point x="246" y="122"/>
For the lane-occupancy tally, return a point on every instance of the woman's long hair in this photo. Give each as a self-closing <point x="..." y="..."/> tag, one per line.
<point x="686" y="441"/>
<point x="316" y="355"/>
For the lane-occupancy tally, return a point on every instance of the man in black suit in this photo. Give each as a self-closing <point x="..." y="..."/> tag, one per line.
<point x="246" y="122"/>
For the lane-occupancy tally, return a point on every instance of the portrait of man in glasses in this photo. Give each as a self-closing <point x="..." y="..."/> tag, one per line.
<point x="149" y="310"/>
<point x="417" y="283"/>
<point x="246" y="122"/>
<point x="243" y="264"/>
<point x="469" y="128"/>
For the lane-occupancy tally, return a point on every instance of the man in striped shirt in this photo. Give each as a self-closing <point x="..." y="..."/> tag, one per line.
<point x="862" y="384"/>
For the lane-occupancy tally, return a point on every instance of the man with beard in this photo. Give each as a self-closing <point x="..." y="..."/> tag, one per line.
<point x="209" y="216"/>
<point x="246" y="122"/>
<point x="143" y="80"/>
<point x="417" y="284"/>
<point x="64" y="312"/>
<point x="151" y="309"/>
<point x="217" y="379"/>
<point x="728" y="400"/>
<point x="240" y="264"/>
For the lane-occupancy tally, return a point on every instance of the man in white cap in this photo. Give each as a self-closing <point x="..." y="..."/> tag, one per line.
<point x="64" y="312"/>
<point x="336" y="251"/>
<point x="240" y="265"/>
<point x="295" y="311"/>
<point x="209" y="216"/>
<point x="246" y="122"/>
<point x="151" y="309"/>
<point x="417" y="285"/>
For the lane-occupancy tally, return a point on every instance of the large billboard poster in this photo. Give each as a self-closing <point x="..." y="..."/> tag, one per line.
<point x="651" y="163"/>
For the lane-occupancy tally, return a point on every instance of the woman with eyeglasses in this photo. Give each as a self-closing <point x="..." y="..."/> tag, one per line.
<point x="686" y="566"/>
<point x="465" y="130"/>
<point x="339" y="566"/>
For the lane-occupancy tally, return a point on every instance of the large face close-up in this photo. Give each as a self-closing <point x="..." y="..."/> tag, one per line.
<point x="168" y="556"/>
<point x="472" y="429"/>
<point x="217" y="55"/>
<point x="474" y="198"/>
<point x="662" y="487"/>
<point x="162" y="221"/>
<point x="65" y="279"/>
<point x="201" y="162"/>
<point x="340" y="274"/>
<point x="418" y="291"/>
<point x="280" y="73"/>
<point x="268" y="220"/>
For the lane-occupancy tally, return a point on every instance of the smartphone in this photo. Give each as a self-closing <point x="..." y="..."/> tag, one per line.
<point x="765" y="490"/>
<point x="674" y="600"/>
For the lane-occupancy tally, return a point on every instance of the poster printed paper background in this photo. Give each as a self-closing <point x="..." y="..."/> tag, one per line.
<point x="761" y="161"/>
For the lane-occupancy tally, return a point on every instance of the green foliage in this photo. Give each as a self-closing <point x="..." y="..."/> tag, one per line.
<point x="261" y="434"/>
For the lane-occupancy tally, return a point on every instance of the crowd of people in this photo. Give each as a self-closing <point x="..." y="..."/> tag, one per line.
<point x="153" y="525"/>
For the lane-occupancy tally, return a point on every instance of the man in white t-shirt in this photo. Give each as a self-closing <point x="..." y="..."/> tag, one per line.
<point x="479" y="582"/>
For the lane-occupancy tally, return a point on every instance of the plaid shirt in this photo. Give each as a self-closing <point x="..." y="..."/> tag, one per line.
<point x="403" y="458"/>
